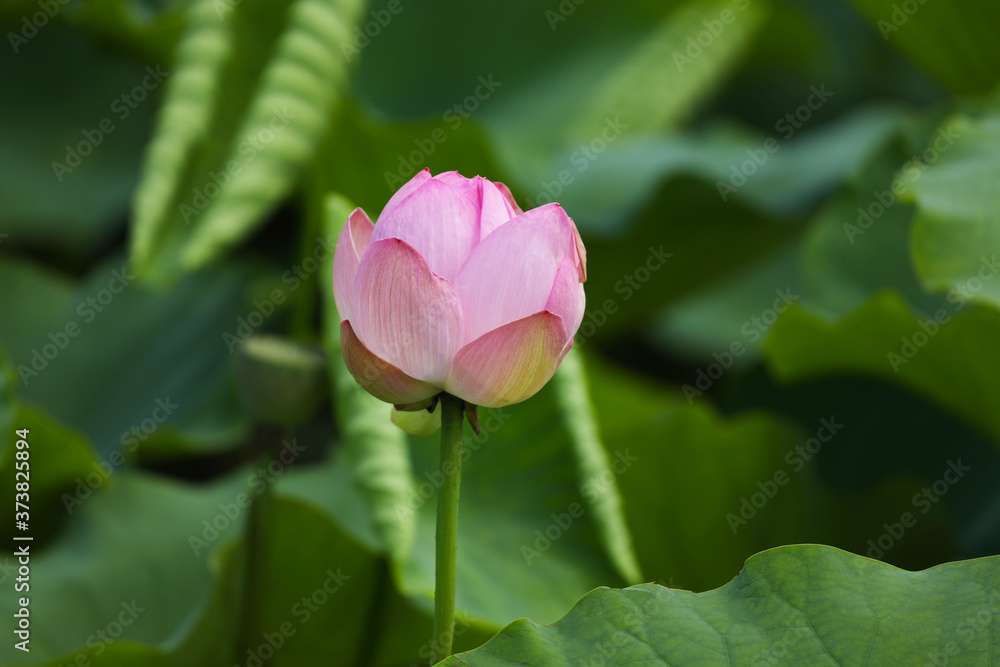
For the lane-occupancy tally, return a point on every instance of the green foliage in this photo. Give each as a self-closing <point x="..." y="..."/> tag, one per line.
<point x="252" y="90"/>
<point x="790" y="213"/>
<point x="957" y="227"/>
<point x="926" y="33"/>
<point x="167" y="346"/>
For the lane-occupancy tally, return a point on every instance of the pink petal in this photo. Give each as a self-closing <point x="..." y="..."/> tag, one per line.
<point x="567" y="299"/>
<point x="378" y="377"/>
<point x="496" y="210"/>
<point x="351" y="245"/>
<point x="456" y="180"/>
<point x="509" y="364"/>
<point x="405" y="191"/>
<point x="493" y="205"/>
<point x="439" y="221"/>
<point x="510" y="274"/>
<point x="505" y="191"/>
<point x="581" y="254"/>
<point x="404" y="313"/>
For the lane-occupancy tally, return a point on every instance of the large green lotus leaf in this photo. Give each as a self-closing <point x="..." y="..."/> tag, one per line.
<point x="248" y="102"/>
<point x="952" y="41"/>
<point x="127" y="583"/>
<point x="956" y="233"/>
<point x="127" y="366"/>
<point x="72" y="140"/>
<point x="802" y="605"/>
<point x="949" y="356"/>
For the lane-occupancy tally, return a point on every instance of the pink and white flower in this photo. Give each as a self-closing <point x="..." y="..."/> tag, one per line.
<point x="457" y="290"/>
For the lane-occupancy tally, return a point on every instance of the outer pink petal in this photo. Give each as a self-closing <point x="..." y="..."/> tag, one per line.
<point x="581" y="254"/>
<point x="405" y="191"/>
<point x="439" y="221"/>
<point x="509" y="364"/>
<point x="511" y="273"/>
<point x="567" y="299"/>
<point x="404" y="313"/>
<point x="378" y="377"/>
<point x="353" y="241"/>
<point x="508" y="195"/>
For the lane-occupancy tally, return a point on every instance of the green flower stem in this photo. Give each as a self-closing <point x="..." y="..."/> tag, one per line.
<point x="452" y="415"/>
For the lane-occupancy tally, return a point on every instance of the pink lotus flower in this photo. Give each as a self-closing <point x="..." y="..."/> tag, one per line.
<point x="457" y="290"/>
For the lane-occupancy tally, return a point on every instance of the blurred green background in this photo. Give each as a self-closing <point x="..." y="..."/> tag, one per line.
<point x="792" y="217"/>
